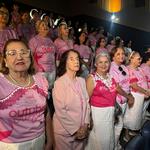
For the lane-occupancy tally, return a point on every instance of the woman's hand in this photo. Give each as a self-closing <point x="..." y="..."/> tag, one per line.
<point x="147" y="94"/>
<point x="130" y="100"/>
<point x="82" y="132"/>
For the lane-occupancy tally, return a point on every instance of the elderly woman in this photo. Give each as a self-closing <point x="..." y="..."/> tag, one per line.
<point x="139" y="88"/>
<point x="22" y="101"/>
<point x="102" y="90"/>
<point x="6" y="33"/>
<point x="71" y="117"/>
<point x="120" y="73"/>
<point x="44" y="52"/>
<point x="63" y="43"/>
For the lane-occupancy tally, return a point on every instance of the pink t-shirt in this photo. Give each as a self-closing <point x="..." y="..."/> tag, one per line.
<point x="22" y="110"/>
<point x="98" y="50"/>
<point x="62" y="46"/>
<point x="92" y="40"/>
<point x="84" y="51"/>
<point x="44" y="53"/>
<point x="110" y="47"/>
<point x="146" y="70"/>
<point x="102" y="95"/>
<point x="138" y="76"/>
<point x="5" y="35"/>
<point x="122" y="80"/>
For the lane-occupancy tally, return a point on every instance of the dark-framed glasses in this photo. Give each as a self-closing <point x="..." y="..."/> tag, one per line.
<point x="23" y="52"/>
<point x="122" y="71"/>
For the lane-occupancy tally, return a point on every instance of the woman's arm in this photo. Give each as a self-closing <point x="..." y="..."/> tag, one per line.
<point x="140" y="89"/>
<point x="129" y="97"/>
<point x="90" y="85"/>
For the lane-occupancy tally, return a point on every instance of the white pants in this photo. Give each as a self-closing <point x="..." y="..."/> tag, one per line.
<point x="119" y="125"/>
<point x="35" y="144"/>
<point x="102" y="134"/>
<point x="133" y="116"/>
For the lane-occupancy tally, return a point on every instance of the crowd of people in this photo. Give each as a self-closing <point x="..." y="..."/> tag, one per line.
<point x="99" y="86"/>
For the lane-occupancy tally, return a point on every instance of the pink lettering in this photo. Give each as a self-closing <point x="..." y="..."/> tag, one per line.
<point x="31" y="114"/>
<point x="46" y="49"/>
<point x="13" y="113"/>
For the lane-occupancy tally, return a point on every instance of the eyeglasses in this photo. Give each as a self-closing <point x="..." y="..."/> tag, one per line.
<point x="122" y="71"/>
<point x="24" y="53"/>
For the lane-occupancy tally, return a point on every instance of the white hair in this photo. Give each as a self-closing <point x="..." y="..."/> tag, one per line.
<point x="102" y="54"/>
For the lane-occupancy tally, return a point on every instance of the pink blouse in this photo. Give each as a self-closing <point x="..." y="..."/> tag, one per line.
<point x="71" y="105"/>
<point x="84" y="51"/>
<point x="122" y="80"/>
<point x="102" y="95"/>
<point x="146" y="71"/>
<point x="138" y="76"/>
<point x="62" y="46"/>
<point x="5" y="35"/>
<point x="22" y="110"/>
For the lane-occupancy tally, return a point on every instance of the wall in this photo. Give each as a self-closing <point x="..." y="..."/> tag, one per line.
<point x="58" y="6"/>
<point x="129" y="16"/>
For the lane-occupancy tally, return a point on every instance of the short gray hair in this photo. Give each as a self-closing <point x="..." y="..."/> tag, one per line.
<point x="102" y="54"/>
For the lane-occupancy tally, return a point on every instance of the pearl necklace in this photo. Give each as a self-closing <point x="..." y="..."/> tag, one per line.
<point x="107" y="81"/>
<point x="15" y="81"/>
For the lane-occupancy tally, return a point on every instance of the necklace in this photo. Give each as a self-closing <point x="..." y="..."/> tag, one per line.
<point x="15" y="81"/>
<point x="107" y="81"/>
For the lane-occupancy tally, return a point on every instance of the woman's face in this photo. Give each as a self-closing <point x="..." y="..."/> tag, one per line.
<point x="4" y="15"/>
<point x="102" y="43"/>
<point x="119" y="56"/>
<point x="102" y="64"/>
<point x="15" y="7"/>
<point x="64" y="31"/>
<point x="82" y="37"/>
<point x="136" y="60"/>
<point x="18" y="57"/>
<point x="46" y="19"/>
<point x="43" y="28"/>
<point x="73" y="63"/>
<point x="25" y="17"/>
